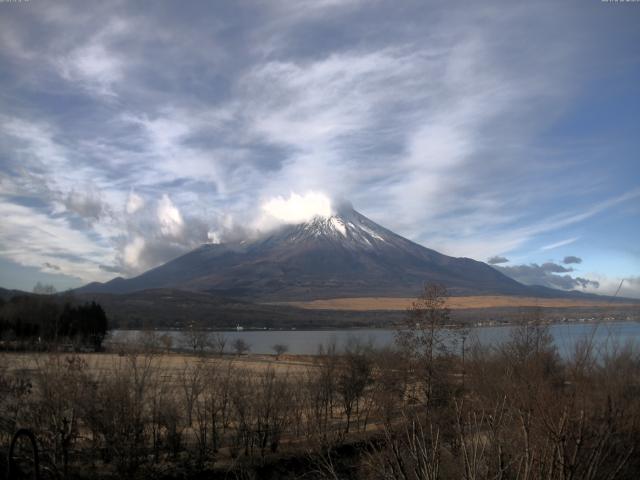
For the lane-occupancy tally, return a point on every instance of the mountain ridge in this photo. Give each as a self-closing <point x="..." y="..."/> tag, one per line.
<point x="342" y="255"/>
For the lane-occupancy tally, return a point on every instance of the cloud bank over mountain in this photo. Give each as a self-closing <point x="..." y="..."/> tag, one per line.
<point x="547" y="275"/>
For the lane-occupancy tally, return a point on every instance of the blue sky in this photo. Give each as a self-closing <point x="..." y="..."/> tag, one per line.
<point x="131" y="132"/>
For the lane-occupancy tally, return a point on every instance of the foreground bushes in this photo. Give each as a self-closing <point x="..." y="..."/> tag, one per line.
<point x="513" y="412"/>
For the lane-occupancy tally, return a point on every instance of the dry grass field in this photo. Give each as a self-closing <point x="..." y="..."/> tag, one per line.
<point x="172" y="364"/>
<point x="384" y="303"/>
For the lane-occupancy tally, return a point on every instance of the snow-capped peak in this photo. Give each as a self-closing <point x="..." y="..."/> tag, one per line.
<point x="347" y="227"/>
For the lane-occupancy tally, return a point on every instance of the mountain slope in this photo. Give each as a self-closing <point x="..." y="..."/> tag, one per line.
<point x="345" y="255"/>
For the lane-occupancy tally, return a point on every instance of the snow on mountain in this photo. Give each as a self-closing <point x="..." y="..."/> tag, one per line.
<point x="347" y="227"/>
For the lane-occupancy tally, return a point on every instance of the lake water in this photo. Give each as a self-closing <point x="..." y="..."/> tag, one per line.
<point x="565" y="337"/>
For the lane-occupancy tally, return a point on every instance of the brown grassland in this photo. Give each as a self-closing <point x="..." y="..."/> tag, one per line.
<point x="454" y="303"/>
<point x="172" y="364"/>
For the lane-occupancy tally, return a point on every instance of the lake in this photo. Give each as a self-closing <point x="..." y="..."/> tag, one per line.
<point x="565" y="336"/>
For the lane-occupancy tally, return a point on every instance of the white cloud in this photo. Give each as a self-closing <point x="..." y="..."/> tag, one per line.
<point x="213" y="237"/>
<point x="134" y="203"/>
<point x="95" y="65"/>
<point x="561" y="243"/>
<point x="34" y="142"/>
<point x="133" y="251"/>
<point x="297" y="208"/>
<point x="482" y="244"/>
<point x="169" y="217"/>
<point x="165" y="131"/>
<point x="36" y="239"/>
<point x="87" y="204"/>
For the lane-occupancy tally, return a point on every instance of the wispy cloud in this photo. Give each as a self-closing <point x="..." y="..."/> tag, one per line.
<point x="561" y="243"/>
<point x="35" y="239"/>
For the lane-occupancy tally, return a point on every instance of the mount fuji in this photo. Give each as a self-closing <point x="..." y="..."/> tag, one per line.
<point x="337" y="256"/>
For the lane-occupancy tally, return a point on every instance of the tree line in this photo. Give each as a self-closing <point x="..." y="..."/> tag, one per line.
<point x="31" y="320"/>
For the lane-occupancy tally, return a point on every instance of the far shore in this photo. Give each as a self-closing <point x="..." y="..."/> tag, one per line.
<point x="590" y="319"/>
<point x="482" y="324"/>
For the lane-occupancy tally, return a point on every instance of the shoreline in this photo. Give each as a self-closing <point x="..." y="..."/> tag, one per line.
<point x="456" y="326"/>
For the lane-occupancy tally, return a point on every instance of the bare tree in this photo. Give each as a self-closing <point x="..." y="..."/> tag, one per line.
<point x="321" y="386"/>
<point x="148" y="340"/>
<point x="114" y="409"/>
<point x="240" y="346"/>
<point x="196" y="337"/>
<point x="353" y="377"/>
<point x="216" y="405"/>
<point x="167" y="342"/>
<point x="218" y="342"/>
<point x="423" y="337"/>
<point x="391" y="383"/>
<point x="410" y="451"/>
<point x="280" y="349"/>
<point x="242" y="399"/>
<point x="191" y="381"/>
<point x="60" y="381"/>
<point x="272" y="404"/>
